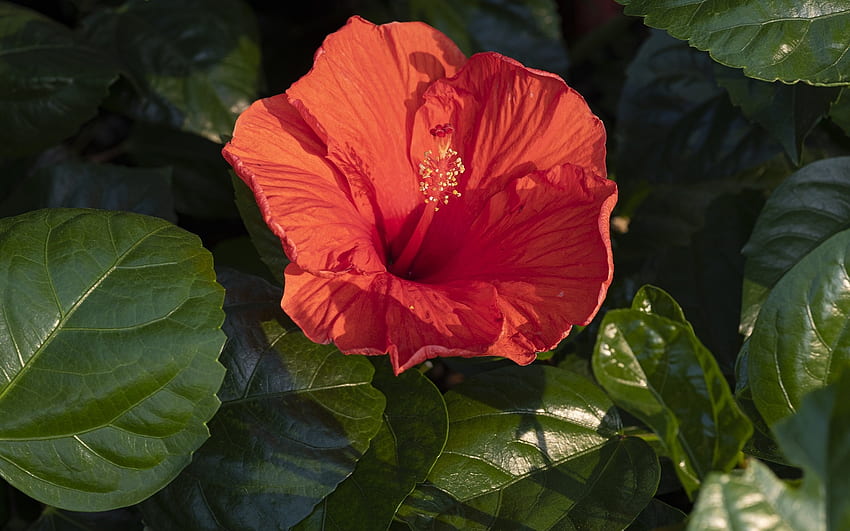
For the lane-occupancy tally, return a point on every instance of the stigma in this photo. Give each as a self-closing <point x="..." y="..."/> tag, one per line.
<point x="440" y="168"/>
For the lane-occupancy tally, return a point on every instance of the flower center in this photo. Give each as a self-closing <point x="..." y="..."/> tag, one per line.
<point x="439" y="172"/>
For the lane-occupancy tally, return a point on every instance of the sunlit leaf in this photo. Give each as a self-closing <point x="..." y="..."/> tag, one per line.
<point x="654" y="367"/>
<point x="806" y="209"/>
<point x="799" y="342"/>
<point x="109" y="339"/>
<point x="507" y="423"/>
<point x="399" y="456"/>
<point x="817" y="438"/>
<point x="600" y="490"/>
<point x="193" y="65"/>
<point x="533" y="446"/>
<point x="50" y="84"/>
<point x="781" y="39"/>
<point x="754" y="499"/>
<point x="295" y="419"/>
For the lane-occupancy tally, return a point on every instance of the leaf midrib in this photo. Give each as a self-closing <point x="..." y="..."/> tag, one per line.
<point x="77" y="303"/>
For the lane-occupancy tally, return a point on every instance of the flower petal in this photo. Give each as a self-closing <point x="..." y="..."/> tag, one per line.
<point x="509" y="121"/>
<point x="360" y="97"/>
<point x="544" y="243"/>
<point x="302" y="197"/>
<point x="380" y="313"/>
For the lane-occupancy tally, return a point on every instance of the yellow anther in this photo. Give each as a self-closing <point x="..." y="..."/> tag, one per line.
<point x="439" y="174"/>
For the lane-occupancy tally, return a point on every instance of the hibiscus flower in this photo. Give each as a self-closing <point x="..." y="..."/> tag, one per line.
<point x="430" y="204"/>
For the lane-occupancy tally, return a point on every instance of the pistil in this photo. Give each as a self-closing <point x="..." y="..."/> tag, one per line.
<point x="438" y="173"/>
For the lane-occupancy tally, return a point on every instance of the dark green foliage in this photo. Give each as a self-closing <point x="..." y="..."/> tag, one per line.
<point x="115" y="333"/>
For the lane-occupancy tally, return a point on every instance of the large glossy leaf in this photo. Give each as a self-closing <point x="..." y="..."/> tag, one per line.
<point x="399" y="456"/>
<point x="676" y="124"/>
<point x="818" y="439"/>
<point x="784" y="39"/>
<point x="653" y="366"/>
<point x="507" y="423"/>
<point x="598" y="490"/>
<point x="800" y="341"/>
<point x="201" y="181"/>
<point x="49" y="83"/>
<point x="295" y="419"/>
<point x="103" y="186"/>
<point x="806" y="209"/>
<point x="787" y="112"/>
<point x="533" y="445"/>
<point x="109" y="339"/>
<point x="268" y="245"/>
<point x="193" y="65"/>
<point x="527" y="30"/>
<point x="754" y="499"/>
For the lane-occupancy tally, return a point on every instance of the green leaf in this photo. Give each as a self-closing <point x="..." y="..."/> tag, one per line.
<point x="527" y="30"/>
<point x="193" y="65"/>
<point x="601" y="489"/>
<point x="762" y="444"/>
<point x="507" y="423"/>
<point x="53" y="519"/>
<point x="818" y="438"/>
<point x="401" y="454"/>
<point x="753" y="295"/>
<point x="104" y="186"/>
<point x="788" y="41"/>
<point x="49" y="83"/>
<point x="804" y="211"/>
<point x="201" y="180"/>
<point x="754" y="499"/>
<point x="536" y="445"/>
<point x="295" y="419"/>
<point x="268" y="245"/>
<point x="652" y="300"/>
<point x="676" y="124"/>
<point x="654" y="367"/>
<point x="109" y="339"/>
<point x="800" y="342"/>
<point x="787" y="112"/>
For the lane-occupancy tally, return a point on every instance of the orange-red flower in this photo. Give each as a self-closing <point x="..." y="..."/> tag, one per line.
<point x="431" y="205"/>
